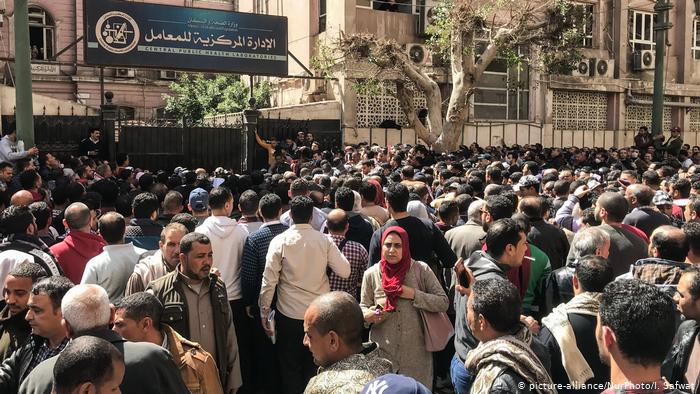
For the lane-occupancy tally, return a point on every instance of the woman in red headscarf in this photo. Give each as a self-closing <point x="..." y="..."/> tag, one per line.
<point x="391" y="298"/>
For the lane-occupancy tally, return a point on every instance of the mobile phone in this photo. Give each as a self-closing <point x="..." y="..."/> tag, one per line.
<point x="463" y="279"/>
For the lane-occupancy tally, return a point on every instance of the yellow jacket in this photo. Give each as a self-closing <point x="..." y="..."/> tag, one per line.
<point x="197" y="367"/>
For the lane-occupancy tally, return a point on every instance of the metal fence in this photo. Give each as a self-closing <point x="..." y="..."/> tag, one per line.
<point x="58" y="134"/>
<point x="155" y="148"/>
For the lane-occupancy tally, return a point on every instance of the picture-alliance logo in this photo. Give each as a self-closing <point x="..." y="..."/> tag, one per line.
<point x="117" y="32"/>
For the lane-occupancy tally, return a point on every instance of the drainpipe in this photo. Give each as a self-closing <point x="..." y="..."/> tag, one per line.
<point x="23" y="76"/>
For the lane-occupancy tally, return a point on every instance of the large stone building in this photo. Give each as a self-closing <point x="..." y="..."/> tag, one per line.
<point x="603" y="103"/>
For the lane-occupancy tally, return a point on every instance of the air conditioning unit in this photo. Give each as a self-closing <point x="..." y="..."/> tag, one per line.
<point x="419" y="54"/>
<point x="604" y="68"/>
<point x="124" y="72"/>
<point x="643" y="60"/>
<point x="425" y="18"/>
<point x="583" y="68"/>
<point x="168" y="74"/>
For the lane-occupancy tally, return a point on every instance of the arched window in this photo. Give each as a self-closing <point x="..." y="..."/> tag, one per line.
<point x="41" y="34"/>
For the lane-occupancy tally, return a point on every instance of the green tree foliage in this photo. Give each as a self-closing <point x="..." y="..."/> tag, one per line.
<point x="195" y="96"/>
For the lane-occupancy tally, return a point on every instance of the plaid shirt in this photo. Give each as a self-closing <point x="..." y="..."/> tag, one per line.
<point x="358" y="258"/>
<point x="45" y="352"/>
<point x="253" y="260"/>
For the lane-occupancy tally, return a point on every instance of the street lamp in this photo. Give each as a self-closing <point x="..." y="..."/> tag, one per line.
<point x="250" y="126"/>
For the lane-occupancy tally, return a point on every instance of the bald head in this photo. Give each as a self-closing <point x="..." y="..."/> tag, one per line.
<point x="670" y="243"/>
<point x="337" y="222"/>
<point x="22" y="198"/>
<point x="338" y="311"/>
<point x="85" y="308"/>
<point x="77" y="217"/>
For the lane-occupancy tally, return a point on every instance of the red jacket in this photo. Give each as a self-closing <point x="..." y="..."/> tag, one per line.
<point x="75" y="251"/>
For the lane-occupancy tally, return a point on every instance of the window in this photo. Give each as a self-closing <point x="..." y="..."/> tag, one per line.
<point x="403" y="6"/>
<point x="503" y="91"/>
<point x="696" y="40"/>
<point x="322" y="16"/>
<point x="587" y="24"/>
<point x="642" y="31"/>
<point x="41" y="34"/>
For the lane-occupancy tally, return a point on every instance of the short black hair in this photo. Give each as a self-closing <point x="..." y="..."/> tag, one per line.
<point x="593" y="273"/>
<point x="694" y="204"/>
<point x="144" y="205"/>
<point x="345" y="198"/>
<point x="190" y="238"/>
<point x="55" y="287"/>
<point x="651" y="178"/>
<point x="85" y="359"/>
<point x="301" y="208"/>
<point x="140" y="305"/>
<point x="187" y="220"/>
<point x="447" y="210"/>
<point x="270" y="205"/>
<point x="501" y="233"/>
<point x="15" y="219"/>
<point x="670" y="242"/>
<point x="173" y="200"/>
<point x="219" y="196"/>
<point x="368" y="191"/>
<point x="614" y="204"/>
<point x="248" y="202"/>
<point x="692" y="234"/>
<point x="498" y="301"/>
<point x="642" y="318"/>
<point x="682" y="185"/>
<point x="28" y="178"/>
<point x="397" y="196"/>
<point x="561" y="187"/>
<point x="299" y="188"/>
<point x="28" y="270"/>
<point x="112" y="227"/>
<point x="4" y="165"/>
<point x="499" y="207"/>
<point x="694" y="288"/>
<point x="42" y="213"/>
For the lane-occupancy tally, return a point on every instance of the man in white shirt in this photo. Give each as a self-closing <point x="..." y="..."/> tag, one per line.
<point x="112" y="268"/>
<point x="9" y="151"/>
<point x="295" y="269"/>
<point x="301" y="188"/>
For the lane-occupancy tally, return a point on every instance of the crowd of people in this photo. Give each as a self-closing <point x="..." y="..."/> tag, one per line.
<point x="368" y="269"/>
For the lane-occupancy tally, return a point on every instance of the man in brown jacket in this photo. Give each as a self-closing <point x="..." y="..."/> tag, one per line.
<point x="137" y="319"/>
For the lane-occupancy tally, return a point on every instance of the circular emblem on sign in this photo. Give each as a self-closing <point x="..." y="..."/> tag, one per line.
<point x="117" y="32"/>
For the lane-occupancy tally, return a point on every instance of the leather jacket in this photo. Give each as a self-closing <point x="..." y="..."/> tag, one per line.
<point x="673" y="368"/>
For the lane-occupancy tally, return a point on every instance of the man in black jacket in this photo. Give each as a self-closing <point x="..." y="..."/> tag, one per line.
<point x="19" y="227"/>
<point x="86" y="311"/>
<point x="359" y="230"/>
<point x="14" y="328"/>
<point x="643" y="215"/>
<point x="503" y="361"/>
<point x="424" y="237"/>
<point x="192" y="292"/>
<point x="48" y="336"/>
<point x="506" y="245"/>
<point x="571" y="327"/>
<point x="545" y="236"/>
<point x="682" y="364"/>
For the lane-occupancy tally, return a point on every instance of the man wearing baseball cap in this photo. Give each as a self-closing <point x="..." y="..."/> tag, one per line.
<point x="527" y="186"/>
<point x="199" y="204"/>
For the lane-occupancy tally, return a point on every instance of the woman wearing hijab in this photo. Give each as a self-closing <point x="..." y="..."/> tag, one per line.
<point x="391" y="298"/>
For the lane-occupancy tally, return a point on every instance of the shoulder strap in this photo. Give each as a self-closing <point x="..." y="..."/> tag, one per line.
<point x="341" y="245"/>
<point x="417" y="273"/>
